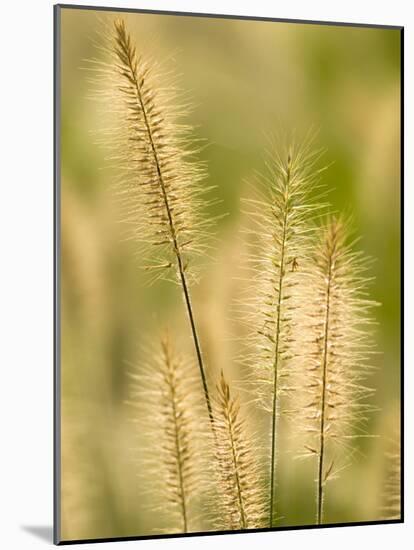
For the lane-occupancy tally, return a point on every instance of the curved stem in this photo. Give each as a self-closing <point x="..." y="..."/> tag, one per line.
<point x="176" y="247"/>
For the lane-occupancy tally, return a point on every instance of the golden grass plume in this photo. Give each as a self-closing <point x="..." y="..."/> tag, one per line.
<point x="282" y="217"/>
<point x="334" y="348"/>
<point x="164" y="410"/>
<point x="240" y="483"/>
<point x="161" y="183"/>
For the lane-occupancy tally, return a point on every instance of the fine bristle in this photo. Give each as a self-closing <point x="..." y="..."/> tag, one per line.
<point x="241" y="488"/>
<point x="334" y="346"/>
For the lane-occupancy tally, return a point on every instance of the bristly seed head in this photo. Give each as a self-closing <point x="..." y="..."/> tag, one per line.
<point x="241" y="487"/>
<point x="161" y="185"/>
<point x="334" y="347"/>
<point x="282" y="217"/>
<point x="165" y="411"/>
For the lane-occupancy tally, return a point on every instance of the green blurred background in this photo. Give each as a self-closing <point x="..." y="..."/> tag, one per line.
<point x="245" y="78"/>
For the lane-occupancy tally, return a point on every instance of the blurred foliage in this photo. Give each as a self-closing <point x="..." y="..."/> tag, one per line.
<point x="245" y="79"/>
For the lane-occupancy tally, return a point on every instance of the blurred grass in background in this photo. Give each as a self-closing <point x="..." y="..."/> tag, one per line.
<point x="245" y="78"/>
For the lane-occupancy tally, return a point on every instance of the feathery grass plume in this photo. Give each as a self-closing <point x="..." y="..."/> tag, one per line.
<point x="160" y="181"/>
<point x="282" y="225"/>
<point x="239" y="478"/>
<point x="334" y="354"/>
<point x="163" y="400"/>
<point x="391" y="498"/>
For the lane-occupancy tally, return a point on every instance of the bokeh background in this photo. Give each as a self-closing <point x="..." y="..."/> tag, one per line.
<point x="245" y="78"/>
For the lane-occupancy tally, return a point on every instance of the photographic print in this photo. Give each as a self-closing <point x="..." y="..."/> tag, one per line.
<point x="228" y="274"/>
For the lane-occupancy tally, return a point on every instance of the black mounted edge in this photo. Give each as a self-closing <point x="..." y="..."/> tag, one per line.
<point x="230" y="16"/>
<point x="56" y="277"/>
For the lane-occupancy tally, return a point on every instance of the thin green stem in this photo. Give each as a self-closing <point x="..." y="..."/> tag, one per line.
<point x="321" y="454"/>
